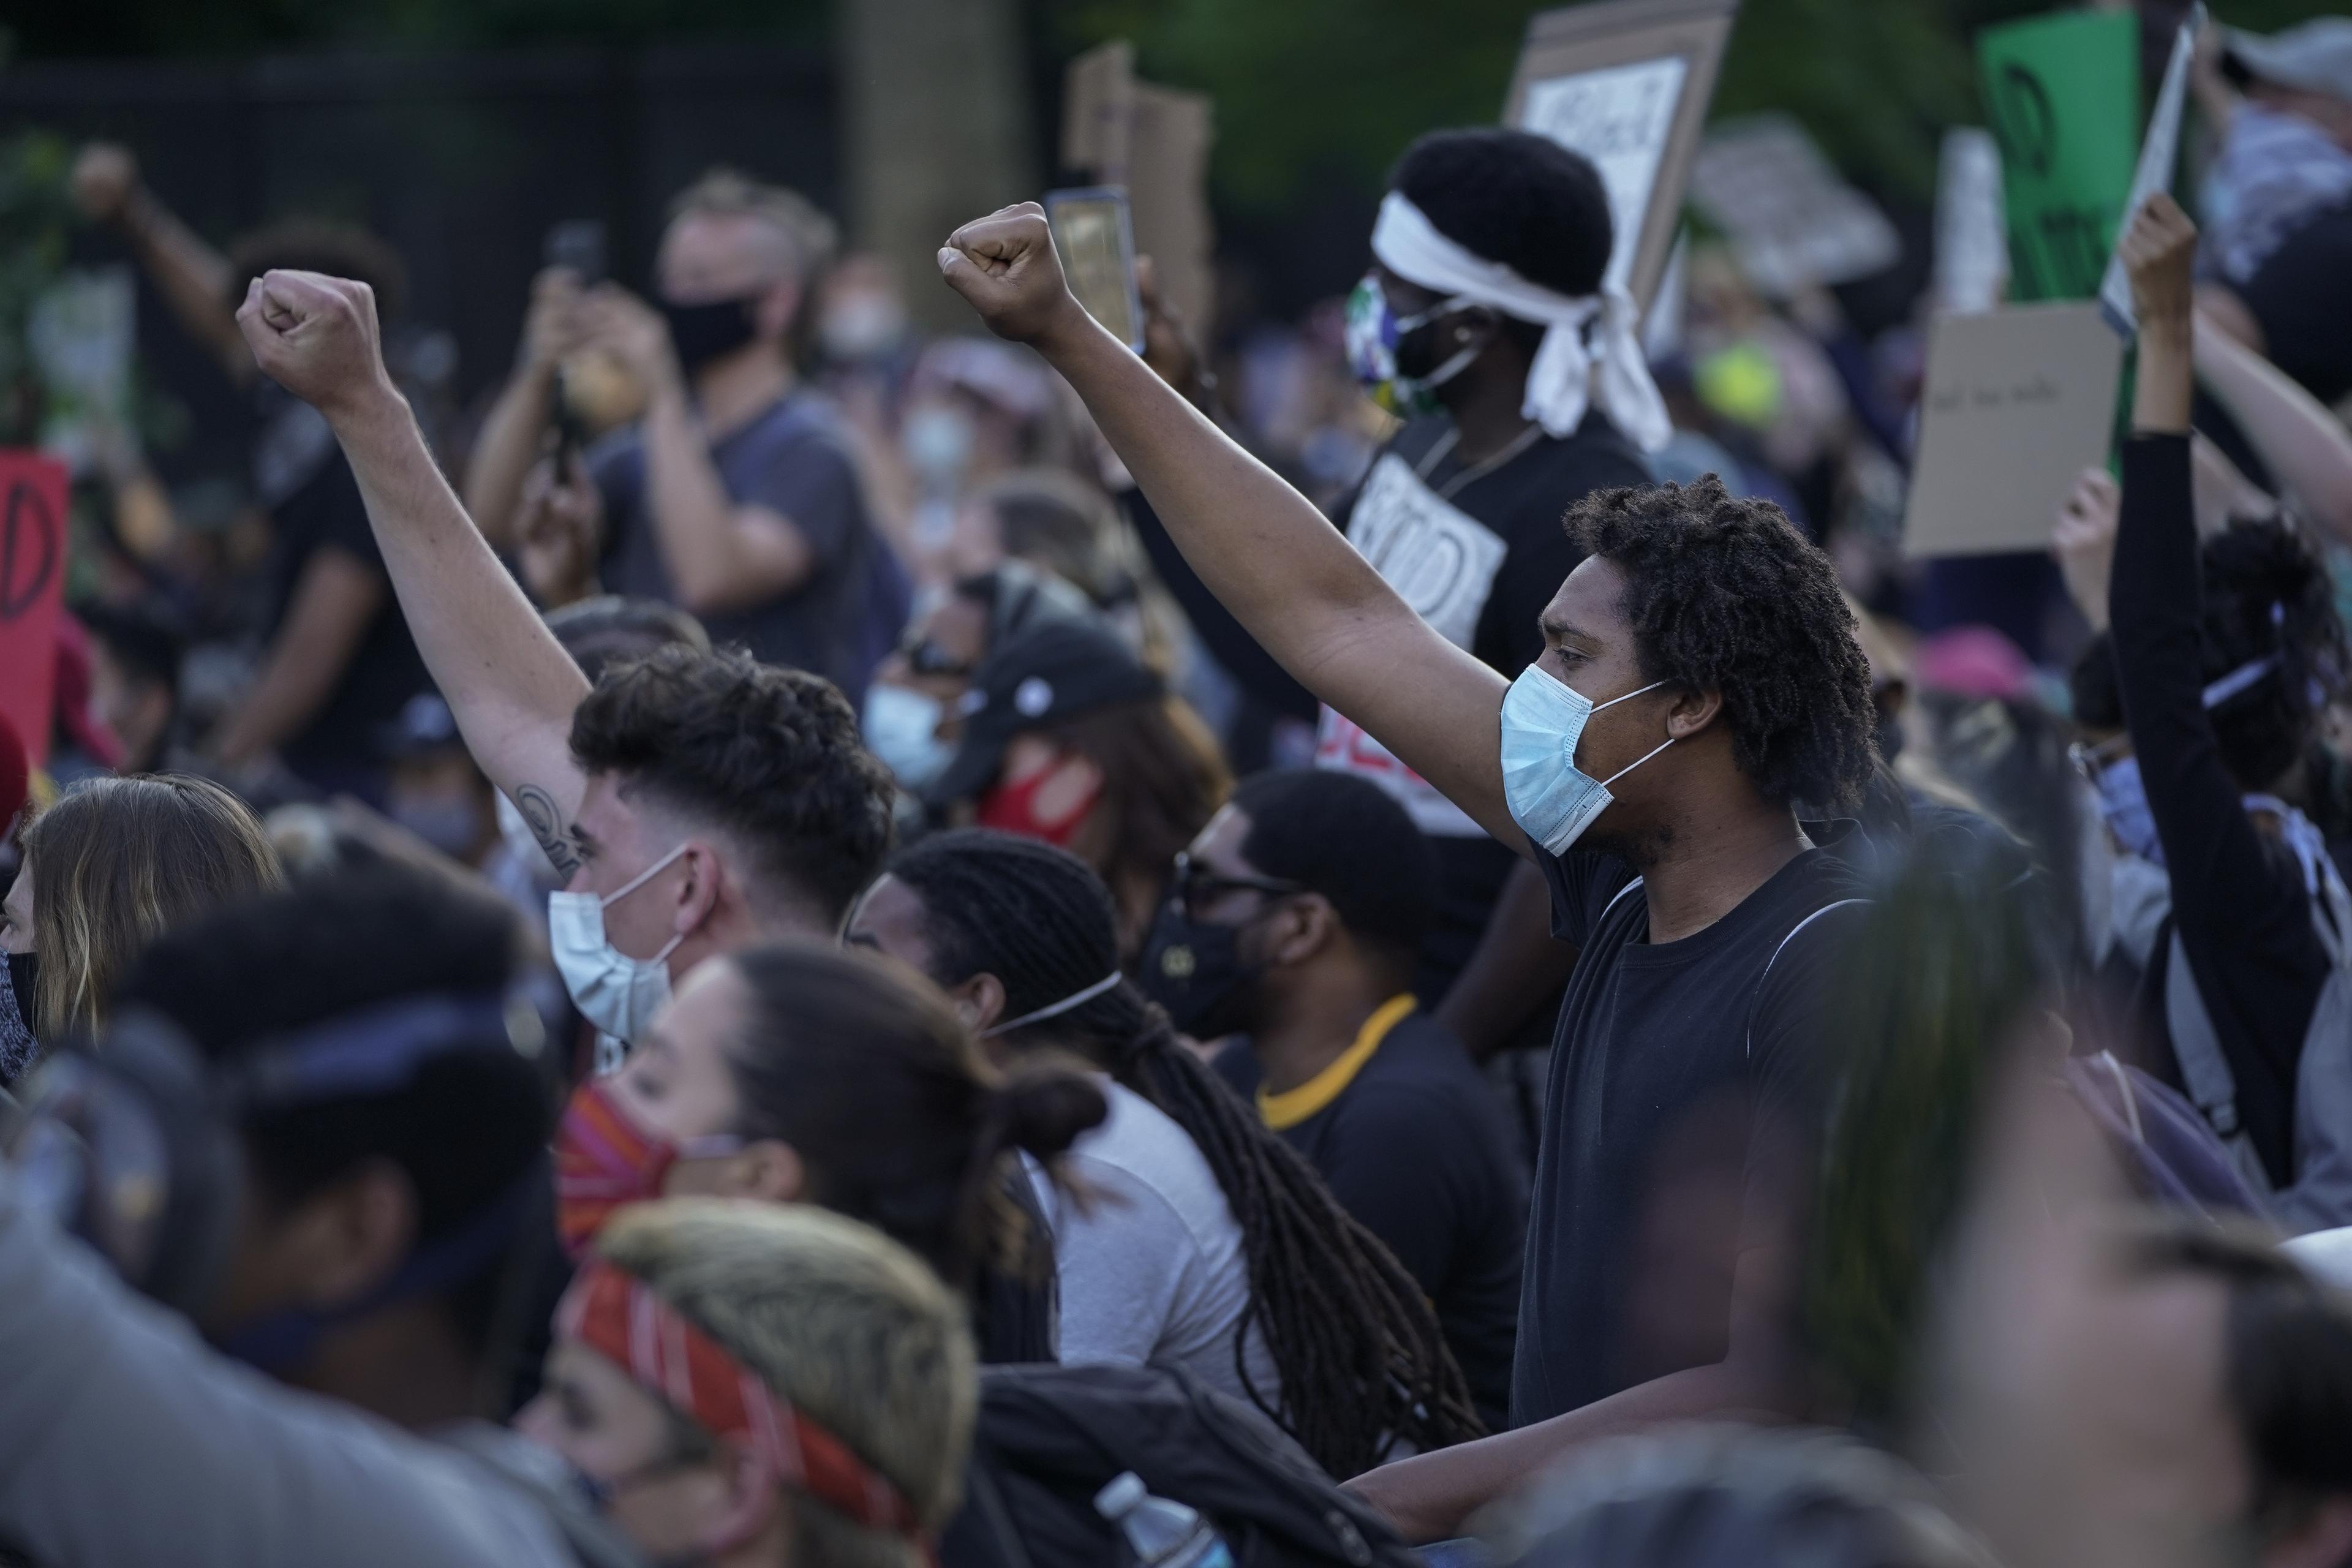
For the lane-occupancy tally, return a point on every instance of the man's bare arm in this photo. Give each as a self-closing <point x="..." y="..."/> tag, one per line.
<point x="510" y="684"/>
<point x="1261" y="547"/>
<point x="335" y="600"/>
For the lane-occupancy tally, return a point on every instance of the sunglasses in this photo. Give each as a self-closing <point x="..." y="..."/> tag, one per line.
<point x="1197" y="887"/>
<point x="925" y="656"/>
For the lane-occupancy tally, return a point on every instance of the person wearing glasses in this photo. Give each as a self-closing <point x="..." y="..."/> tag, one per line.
<point x="912" y="719"/>
<point x="1298" y="913"/>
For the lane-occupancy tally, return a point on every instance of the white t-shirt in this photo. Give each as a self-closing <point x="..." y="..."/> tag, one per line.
<point x="1151" y="1264"/>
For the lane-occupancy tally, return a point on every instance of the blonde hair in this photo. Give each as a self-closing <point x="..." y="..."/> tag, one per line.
<point x="810" y="237"/>
<point x="115" y="863"/>
<point x="847" y="1324"/>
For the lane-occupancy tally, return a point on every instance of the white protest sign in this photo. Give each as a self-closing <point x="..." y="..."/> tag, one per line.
<point x="1626" y="84"/>
<point x="1620" y="117"/>
<point x="81" y="331"/>
<point x="1792" y="221"/>
<point x="1971" y="225"/>
<point x="2156" y="152"/>
<point x="2017" y="403"/>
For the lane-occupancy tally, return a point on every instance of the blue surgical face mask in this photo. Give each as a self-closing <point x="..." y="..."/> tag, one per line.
<point x="1374" y="331"/>
<point x="902" y="727"/>
<point x="618" y="994"/>
<point x="1552" y="800"/>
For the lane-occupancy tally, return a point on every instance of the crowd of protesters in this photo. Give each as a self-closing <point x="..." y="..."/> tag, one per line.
<point x="797" y="945"/>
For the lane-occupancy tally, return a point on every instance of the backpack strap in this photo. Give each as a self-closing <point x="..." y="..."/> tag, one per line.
<point x="1777" y="951"/>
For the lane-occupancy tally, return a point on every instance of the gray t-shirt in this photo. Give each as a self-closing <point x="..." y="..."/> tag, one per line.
<point x="1150" y="1262"/>
<point x="792" y="459"/>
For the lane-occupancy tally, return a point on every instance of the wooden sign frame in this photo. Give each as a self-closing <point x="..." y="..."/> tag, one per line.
<point x="1578" y="39"/>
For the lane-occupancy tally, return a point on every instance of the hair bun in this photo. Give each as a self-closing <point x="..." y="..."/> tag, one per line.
<point x="1044" y="1106"/>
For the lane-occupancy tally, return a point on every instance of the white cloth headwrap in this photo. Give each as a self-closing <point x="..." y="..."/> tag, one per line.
<point x="1559" y="383"/>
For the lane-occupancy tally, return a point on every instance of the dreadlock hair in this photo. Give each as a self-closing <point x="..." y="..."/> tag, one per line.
<point x="1726" y="595"/>
<point x="1356" y="1345"/>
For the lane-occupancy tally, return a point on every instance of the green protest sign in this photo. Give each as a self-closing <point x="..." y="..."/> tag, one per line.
<point x="2061" y="93"/>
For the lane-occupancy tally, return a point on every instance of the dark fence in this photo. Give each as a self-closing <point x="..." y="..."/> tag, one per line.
<point x="462" y="162"/>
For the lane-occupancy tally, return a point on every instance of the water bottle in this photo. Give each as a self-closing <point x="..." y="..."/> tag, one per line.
<point x="1163" y="1534"/>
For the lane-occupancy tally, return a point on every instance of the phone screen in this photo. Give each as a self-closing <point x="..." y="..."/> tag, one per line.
<point x="580" y="246"/>
<point x="1097" y="248"/>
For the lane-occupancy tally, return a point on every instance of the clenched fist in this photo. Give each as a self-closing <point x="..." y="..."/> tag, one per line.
<point x="316" y="336"/>
<point x="1005" y="265"/>
<point x="105" y="177"/>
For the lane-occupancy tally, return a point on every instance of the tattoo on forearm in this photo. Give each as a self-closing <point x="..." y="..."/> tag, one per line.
<point x="538" y="809"/>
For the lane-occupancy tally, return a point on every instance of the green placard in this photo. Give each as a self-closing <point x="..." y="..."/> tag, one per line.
<point x="2061" y="93"/>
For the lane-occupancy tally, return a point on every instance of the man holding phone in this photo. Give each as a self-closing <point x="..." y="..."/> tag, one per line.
<point x="733" y="496"/>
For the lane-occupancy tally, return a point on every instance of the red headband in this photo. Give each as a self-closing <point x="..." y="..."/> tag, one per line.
<point x="613" y="1313"/>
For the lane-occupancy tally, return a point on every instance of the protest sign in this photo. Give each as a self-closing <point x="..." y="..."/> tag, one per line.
<point x="81" y="331"/>
<point x="1153" y="141"/>
<point x="2018" y="402"/>
<point x="2157" y="152"/>
<point x="32" y="586"/>
<point x="1972" y="234"/>
<point x="1626" y="83"/>
<point x="1792" y="222"/>
<point x="2063" y="93"/>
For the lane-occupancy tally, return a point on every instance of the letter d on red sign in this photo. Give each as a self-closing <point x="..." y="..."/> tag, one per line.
<point x="32" y="588"/>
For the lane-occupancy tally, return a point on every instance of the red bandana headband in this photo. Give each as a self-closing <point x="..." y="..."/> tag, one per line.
<point x="613" y="1313"/>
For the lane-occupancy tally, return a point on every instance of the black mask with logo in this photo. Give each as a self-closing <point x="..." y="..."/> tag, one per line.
<point x="701" y="333"/>
<point x="1194" y="970"/>
<point x="17" y="1047"/>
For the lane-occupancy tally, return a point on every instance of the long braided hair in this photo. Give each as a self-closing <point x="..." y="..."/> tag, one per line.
<point x="1356" y="1344"/>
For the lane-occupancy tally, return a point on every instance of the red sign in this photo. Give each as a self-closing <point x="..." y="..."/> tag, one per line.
<point x="32" y="588"/>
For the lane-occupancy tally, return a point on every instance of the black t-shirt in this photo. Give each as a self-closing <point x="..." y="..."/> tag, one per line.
<point x="1418" y="1149"/>
<point x="1522" y="502"/>
<point x="792" y="459"/>
<point x="323" y="511"/>
<point x="2299" y="297"/>
<point x="1683" y="1100"/>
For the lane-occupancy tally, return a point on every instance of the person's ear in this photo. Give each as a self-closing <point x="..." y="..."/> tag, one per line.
<point x="348" y="1239"/>
<point x="1691" y="711"/>
<point x="750" y="1504"/>
<point x="1307" y="925"/>
<point x="697" y="892"/>
<point x="770" y="1169"/>
<point x="979" y="1001"/>
<point x="772" y="315"/>
<point x="1473" y="324"/>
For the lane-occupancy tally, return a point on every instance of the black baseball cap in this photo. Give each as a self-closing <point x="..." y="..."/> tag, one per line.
<point x="1054" y="670"/>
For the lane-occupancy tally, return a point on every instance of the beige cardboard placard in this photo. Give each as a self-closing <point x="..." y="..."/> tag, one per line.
<point x="1152" y="142"/>
<point x="2017" y="403"/>
<point x="1626" y="83"/>
<point x="1098" y="110"/>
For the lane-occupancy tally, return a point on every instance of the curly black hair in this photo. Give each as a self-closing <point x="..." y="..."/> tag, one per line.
<point x="2267" y="593"/>
<point x="1515" y="198"/>
<point x="769" y="755"/>
<point x="1724" y="594"/>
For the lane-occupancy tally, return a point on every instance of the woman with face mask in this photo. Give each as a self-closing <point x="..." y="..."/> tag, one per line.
<point x="113" y="864"/>
<point x="1267" y="1290"/>
<point x="912" y="719"/>
<point x="800" y="1075"/>
<point x="1070" y="739"/>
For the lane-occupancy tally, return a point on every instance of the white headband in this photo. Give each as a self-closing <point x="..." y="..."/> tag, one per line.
<point x="1559" y="383"/>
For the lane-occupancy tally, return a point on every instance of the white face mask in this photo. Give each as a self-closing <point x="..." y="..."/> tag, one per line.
<point x="1552" y="800"/>
<point x="618" y="994"/>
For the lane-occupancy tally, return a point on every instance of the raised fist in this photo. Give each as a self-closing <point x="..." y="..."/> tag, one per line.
<point x="1005" y="265"/>
<point x="104" y="177"/>
<point x="316" y="336"/>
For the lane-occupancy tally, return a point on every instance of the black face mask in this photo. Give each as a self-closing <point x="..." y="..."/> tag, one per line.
<point x="1195" y="971"/>
<point x="704" y="332"/>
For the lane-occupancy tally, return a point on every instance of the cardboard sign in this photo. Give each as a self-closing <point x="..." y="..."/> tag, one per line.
<point x="1972" y="234"/>
<point x="1792" y="221"/>
<point x="1154" y="143"/>
<point x="32" y="587"/>
<point x="2157" y="152"/>
<point x="2063" y="93"/>
<point x="2017" y="403"/>
<point x="1626" y="83"/>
